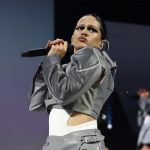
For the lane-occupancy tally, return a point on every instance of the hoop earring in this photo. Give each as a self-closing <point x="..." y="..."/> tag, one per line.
<point x="105" y="45"/>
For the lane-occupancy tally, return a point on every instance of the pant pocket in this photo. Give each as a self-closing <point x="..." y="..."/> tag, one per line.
<point x="93" y="146"/>
<point x="93" y="143"/>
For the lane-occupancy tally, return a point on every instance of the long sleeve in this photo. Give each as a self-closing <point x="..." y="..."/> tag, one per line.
<point x="67" y="82"/>
<point x="38" y="92"/>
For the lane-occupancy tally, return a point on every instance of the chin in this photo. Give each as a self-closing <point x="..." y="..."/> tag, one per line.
<point x="80" y="46"/>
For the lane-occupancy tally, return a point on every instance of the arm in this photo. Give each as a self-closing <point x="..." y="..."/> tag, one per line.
<point x="67" y="84"/>
<point x="38" y="92"/>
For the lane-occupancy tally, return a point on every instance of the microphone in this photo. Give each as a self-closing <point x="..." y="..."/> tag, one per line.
<point x="43" y="51"/>
<point x="35" y="52"/>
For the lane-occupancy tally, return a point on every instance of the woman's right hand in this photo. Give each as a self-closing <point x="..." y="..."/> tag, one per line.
<point x="58" y="46"/>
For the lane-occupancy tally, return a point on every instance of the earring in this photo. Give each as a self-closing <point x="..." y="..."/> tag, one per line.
<point x="106" y="45"/>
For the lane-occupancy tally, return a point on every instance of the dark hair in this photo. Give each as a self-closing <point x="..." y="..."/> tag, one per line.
<point x="103" y="28"/>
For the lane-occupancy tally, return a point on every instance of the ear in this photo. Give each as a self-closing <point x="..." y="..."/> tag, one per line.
<point x="101" y="44"/>
<point x="104" y="44"/>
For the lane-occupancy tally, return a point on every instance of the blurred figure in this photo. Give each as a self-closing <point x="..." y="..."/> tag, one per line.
<point x="144" y="102"/>
<point x="144" y="134"/>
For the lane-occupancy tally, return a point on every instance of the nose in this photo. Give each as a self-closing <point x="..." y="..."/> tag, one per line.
<point x="84" y="31"/>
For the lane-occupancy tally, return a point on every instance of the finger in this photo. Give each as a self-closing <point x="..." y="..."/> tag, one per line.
<point x="57" y="41"/>
<point x="61" y="46"/>
<point x="65" y="45"/>
<point x="48" y="44"/>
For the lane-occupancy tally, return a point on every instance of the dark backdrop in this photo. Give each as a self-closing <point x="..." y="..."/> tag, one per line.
<point x="128" y="31"/>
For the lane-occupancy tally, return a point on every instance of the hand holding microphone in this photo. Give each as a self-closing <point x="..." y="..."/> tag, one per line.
<point x="58" y="47"/>
<point x="45" y="51"/>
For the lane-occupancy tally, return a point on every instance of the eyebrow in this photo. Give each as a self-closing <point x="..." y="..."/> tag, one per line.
<point x="97" y="28"/>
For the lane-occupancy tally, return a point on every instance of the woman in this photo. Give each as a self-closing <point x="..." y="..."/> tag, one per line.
<point x="74" y="93"/>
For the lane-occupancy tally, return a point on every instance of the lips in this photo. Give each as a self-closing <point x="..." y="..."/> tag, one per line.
<point x="82" y="39"/>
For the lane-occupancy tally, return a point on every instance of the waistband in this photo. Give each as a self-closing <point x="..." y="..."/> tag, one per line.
<point x="84" y="136"/>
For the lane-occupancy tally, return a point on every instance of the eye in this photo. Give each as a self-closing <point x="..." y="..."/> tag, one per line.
<point x="92" y="29"/>
<point x="80" y="28"/>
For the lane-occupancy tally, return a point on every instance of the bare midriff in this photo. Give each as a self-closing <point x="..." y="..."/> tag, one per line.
<point x="77" y="118"/>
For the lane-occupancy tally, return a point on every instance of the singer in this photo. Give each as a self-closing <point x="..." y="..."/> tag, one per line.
<point x="73" y="93"/>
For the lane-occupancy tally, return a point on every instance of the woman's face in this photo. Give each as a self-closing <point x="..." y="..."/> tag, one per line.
<point x="87" y="33"/>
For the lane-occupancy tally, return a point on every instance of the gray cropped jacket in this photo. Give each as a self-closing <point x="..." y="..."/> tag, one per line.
<point x="82" y="85"/>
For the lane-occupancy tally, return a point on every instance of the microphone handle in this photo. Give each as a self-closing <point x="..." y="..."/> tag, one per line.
<point x="43" y="51"/>
<point x="35" y="52"/>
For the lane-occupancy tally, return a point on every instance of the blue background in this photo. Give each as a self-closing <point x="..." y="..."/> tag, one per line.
<point x="23" y="25"/>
